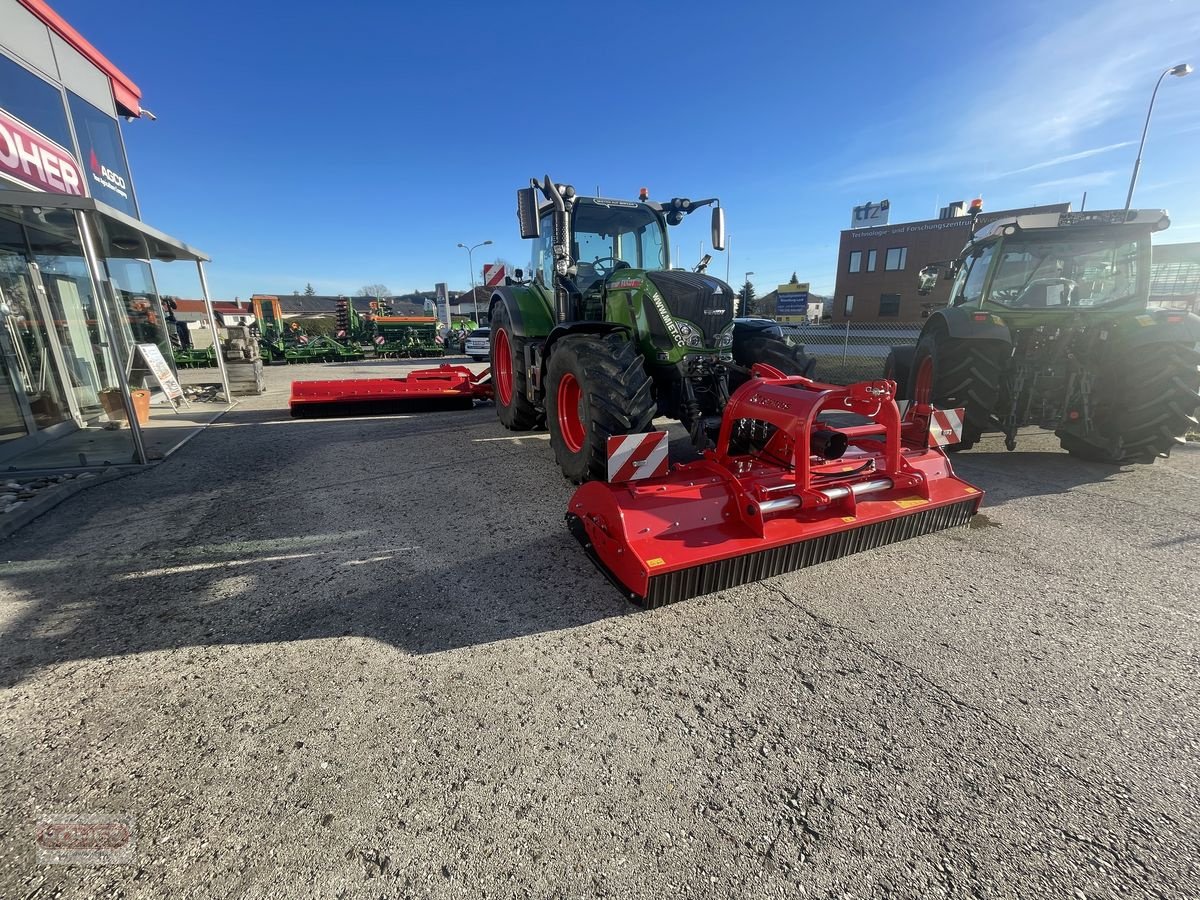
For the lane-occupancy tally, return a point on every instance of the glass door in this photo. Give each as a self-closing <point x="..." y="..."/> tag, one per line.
<point x="37" y="400"/>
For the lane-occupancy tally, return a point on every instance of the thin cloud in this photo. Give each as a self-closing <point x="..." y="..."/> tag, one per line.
<point x="1066" y="158"/>
<point x="1087" y="180"/>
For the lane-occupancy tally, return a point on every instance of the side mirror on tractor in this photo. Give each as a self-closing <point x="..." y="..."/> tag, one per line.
<point x="527" y="213"/>
<point x="718" y="228"/>
<point x="927" y="280"/>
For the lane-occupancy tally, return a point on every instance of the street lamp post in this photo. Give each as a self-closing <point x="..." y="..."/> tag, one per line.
<point x="471" y="264"/>
<point x="746" y="294"/>
<point x="1178" y="71"/>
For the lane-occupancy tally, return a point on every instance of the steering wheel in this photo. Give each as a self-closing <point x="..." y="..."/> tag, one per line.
<point x="603" y="271"/>
<point x="1045" y="282"/>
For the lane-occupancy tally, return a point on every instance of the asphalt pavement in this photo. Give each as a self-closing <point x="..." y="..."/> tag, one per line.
<point x="364" y="658"/>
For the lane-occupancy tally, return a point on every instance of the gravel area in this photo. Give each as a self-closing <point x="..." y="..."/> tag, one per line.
<point x="364" y="658"/>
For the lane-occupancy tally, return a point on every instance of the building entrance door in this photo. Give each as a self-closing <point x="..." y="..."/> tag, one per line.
<point x="32" y="358"/>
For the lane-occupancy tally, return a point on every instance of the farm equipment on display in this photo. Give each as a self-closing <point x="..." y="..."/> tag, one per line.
<point x="446" y="387"/>
<point x="280" y="341"/>
<point x="605" y="337"/>
<point x="1048" y="325"/>
<point x="385" y="335"/>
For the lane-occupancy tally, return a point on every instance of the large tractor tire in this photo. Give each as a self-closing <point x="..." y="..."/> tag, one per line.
<point x="509" y="379"/>
<point x="774" y="352"/>
<point x="597" y="388"/>
<point x="1142" y="408"/>
<point x="898" y="368"/>
<point x="950" y="373"/>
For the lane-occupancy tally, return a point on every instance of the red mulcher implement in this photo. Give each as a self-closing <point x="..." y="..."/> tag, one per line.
<point x="754" y="507"/>
<point x="454" y="387"/>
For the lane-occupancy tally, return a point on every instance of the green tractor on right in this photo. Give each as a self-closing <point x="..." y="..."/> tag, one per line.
<point x="1048" y="324"/>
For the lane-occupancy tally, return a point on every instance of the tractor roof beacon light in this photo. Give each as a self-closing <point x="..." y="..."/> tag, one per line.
<point x="644" y="194"/>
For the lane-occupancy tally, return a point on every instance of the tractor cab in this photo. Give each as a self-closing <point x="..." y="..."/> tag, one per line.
<point x="607" y="236"/>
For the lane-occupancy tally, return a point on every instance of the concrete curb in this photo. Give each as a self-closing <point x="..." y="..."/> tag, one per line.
<point x="48" y="499"/>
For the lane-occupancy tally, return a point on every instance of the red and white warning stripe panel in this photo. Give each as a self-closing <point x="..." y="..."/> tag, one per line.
<point x="493" y="275"/>
<point x="637" y="456"/>
<point x="946" y="426"/>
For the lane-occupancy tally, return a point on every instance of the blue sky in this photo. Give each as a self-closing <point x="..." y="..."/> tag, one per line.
<point x="359" y="142"/>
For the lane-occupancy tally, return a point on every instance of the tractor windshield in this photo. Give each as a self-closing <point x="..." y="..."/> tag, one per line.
<point x="1055" y="272"/>
<point x="610" y="235"/>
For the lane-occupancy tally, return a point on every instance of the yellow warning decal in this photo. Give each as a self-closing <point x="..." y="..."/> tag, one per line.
<point x="971" y="490"/>
<point x="910" y="502"/>
<point x="656" y="562"/>
<point x="1145" y="320"/>
<point x="847" y="518"/>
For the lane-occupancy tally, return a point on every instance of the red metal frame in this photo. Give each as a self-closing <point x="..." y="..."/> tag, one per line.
<point x="127" y="94"/>
<point x="731" y="504"/>
<point x="443" y="383"/>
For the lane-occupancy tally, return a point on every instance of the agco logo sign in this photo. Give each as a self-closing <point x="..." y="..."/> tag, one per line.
<point x="106" y="176"/>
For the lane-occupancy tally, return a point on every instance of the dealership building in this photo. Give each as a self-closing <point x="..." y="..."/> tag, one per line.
<point x="878" y="263"/>
<point x="82" y="328"/>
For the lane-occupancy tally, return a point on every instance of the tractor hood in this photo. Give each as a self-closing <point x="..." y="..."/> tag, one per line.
<point x="700" y="299"/>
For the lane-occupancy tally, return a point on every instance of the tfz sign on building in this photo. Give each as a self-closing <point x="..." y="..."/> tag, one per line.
<point x="36" y="161"/>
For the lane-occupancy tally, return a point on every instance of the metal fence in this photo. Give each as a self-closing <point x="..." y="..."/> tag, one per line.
<point x="851" y="351"/>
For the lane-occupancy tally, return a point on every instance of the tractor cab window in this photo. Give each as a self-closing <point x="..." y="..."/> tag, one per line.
<point x="1053" y="273"/>
<point x="968" y="286"/>
<point x="608" y="237"/>
<point x="542" y="264"/>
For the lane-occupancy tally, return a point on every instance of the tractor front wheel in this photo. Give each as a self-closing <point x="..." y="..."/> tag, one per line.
<point x="949" y="373"/>
<point x="509" y="381"/>
<point x="774" y="352"/>
<point x="597" y="388"/>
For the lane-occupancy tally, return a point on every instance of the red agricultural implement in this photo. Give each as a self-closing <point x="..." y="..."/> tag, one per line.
<point x="801" y="473"/>
<point x="446" y="387"/>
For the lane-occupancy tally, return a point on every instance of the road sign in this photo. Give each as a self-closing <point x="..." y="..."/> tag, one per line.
<point x="493" y="275"/>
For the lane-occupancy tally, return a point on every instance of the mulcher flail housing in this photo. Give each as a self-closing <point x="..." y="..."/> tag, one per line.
<point x="446" y="387"/>
<point x="801" y="473"/>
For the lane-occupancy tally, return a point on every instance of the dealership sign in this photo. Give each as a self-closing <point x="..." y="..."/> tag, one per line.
<point x="28" y="157"/>
<point x="793" y="300"/>
<point x="106" y="177"/>
<point x="870" y="214"/>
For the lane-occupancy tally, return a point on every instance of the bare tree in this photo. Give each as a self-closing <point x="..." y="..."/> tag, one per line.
<point x="374" y="290"/>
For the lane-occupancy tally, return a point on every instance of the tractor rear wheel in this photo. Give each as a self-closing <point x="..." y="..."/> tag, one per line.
<point x="774" y="352"/>
<point x="509" y="380"/>
<point x="949" y="373"/>
<point x="1143" y="407"/>
<point x="597" y="388"/>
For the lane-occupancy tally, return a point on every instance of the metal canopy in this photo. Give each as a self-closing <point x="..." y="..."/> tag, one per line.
<point x="128" y="238"/>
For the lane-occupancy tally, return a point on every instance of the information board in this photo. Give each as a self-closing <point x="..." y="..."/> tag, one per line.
<point x="161" y="371"/>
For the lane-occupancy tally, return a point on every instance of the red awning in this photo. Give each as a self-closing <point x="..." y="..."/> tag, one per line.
<point x="127" y="94"/>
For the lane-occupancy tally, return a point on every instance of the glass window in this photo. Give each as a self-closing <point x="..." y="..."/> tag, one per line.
<point x="889" y="305"/>
<point x="102" y="155"/>
<point x="871" y="255"/>
<point x="608" y="237"/>
<point x="542" y="264"/>
<point x="968" y="287"/>
<point x="855" y="262"/>
<point x="896" y="258"/>
<point x="849" y="305"/>
<point x="35" y="102"/>
<point x="1039" y="274"/>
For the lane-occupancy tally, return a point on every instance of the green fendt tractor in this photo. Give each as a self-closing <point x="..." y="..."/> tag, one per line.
<point x="1048" y="325"/>
<point x="603" y="336"/>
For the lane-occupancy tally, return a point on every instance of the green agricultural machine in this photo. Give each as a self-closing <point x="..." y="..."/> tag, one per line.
<point x="284" y="342"/>
<point x="385" y="335"/>
<point x="1048" y="325"/>
<point x="603" y="336"/>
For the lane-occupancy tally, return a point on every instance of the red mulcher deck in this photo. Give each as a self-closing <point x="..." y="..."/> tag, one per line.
<point x="755" y="507"/>
<point x="446" y="387"/>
